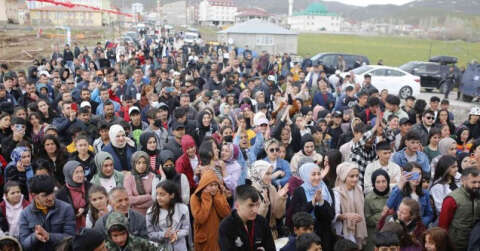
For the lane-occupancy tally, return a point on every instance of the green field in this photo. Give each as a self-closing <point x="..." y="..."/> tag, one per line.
<point x="394" y="51"/>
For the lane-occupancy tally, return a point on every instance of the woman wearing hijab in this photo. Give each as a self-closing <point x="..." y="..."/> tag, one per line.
<point x="307" y="150"/>
<point x="139" y="183"/>
<point x="106" y="176"/>
<point x="121" y="148"/>
<point x="168" y="172"/>
<point x="20" y="168"/>
<point x="375" y="201"/>
<point x="446" y="146"/>
<point x="75" y="191"/>
<point x="272" y="202"/>
<point x="349" y="219"/>
<point x="232" y="171"/>
<point x="314" y="197"/>
<point x="148" y="144"/>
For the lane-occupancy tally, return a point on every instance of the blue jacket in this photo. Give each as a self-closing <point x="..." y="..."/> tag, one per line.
<point x="99" y="111"/>
<point x="59" y="223"/>
<point x="426" y="210"/>
<point x="251" y="152"/>
<point x="116" y="160"/>
<point x="400" y="159"/>
<point x="319" y="100"/>
<point x="281" y="165"/>
<point x="291" y="244"/>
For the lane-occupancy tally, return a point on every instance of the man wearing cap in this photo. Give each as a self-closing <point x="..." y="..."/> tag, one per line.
<point x="174" y="141"/>
<point x="137" y="125"/>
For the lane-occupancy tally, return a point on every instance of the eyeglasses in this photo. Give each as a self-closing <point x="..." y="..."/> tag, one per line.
<point x="429" y="117"/>
<point x="272" y="150"/>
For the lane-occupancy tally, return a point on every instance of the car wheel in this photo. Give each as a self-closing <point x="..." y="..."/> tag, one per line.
<point x="405" y="92"/>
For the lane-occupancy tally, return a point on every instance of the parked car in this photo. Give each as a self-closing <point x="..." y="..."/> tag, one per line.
<point x="470" y="85"/>
<point x="432" y="74"/>
<point x="395" y="80"/>
<point x="330" y="61"/>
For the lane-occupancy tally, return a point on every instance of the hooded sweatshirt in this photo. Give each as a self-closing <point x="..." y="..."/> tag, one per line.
<point x="186" y="165"/>
<point x="12" y="214"/>
<point x="134" y="243"/>
<point x="207" y="212"/>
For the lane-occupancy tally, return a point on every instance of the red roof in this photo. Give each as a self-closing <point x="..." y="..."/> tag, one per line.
<point x="62" y="8"/>
<point x="253" y="12"/>
<point x="226" y="3"/>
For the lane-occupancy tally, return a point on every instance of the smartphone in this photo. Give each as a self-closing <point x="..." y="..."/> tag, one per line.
<point x="169" y="89"/>
<point x="19" y="127"/>
<point x="414" y="176"/>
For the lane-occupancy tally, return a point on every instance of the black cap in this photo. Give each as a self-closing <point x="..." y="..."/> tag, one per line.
<point x="337" y="114"/>
<point x="404" y="121"/>
<point x="177" y="126"/>
<point x="87" y="239"/>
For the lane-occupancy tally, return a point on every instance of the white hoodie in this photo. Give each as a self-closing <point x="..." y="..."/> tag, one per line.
<point x="13" y="215"/>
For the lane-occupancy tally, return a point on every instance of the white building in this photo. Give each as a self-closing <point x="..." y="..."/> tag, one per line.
<point x="137" y="8"/>
<point x="174" y="13"/>
<point x="315" y="18"/>
<point x="41" y="5"/>
<point x="216" y="12"/>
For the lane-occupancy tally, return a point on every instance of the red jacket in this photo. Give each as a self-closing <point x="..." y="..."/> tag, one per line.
<point x="182" y="165"/>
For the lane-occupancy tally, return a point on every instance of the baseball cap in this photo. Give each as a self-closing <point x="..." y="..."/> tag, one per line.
<point x="44" y="73"/>
<point x="260" y="119"/>
<point x="404" y="121"/>
<point x="163" y="106"/>
<point x="85" y="103"/>
<point x="475" y="111"/>
<point x="177" y="126"/>
<point x="133" y="109"/>
<point x="337" y="114"/>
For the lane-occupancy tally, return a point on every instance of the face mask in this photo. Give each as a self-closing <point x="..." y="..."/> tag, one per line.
<point x="158" y="123"/>
<point x="228" y="138"/>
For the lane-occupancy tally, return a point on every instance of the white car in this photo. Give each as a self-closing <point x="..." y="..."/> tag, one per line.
<point x="395" y="80"/>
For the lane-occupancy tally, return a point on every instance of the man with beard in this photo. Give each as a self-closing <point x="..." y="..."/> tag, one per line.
<point x="459" y="209"/>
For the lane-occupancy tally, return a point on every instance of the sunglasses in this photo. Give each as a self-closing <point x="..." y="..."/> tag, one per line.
<point x="429" y="117"/>
<point x="272" y="150"/>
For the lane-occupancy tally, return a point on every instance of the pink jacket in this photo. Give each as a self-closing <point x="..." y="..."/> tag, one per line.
<point x="139" y="203"/>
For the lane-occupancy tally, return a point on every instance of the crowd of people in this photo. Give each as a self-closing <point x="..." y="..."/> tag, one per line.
<point x="168" y="146"/>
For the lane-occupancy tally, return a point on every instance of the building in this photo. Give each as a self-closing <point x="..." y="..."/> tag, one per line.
<point x="174" y="13"/>
<point x="137" y="8"/>
<point x="246" y="14"/>
<point x="63" y="16"/>
<point x="315" y="18"/>
<point x="12" y="11"/>
<point x="259" y="36"/>
<point x="216" y="12"/>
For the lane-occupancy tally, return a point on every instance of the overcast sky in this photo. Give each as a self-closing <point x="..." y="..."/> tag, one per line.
<point x="368" y="2"/>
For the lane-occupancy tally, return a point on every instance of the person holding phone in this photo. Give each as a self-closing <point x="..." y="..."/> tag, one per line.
<point x="410" y="186"/>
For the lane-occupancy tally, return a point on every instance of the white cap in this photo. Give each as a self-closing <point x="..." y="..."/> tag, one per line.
<point x="44" y="73"/>
<point x="260" y="119"/>
<point x="85" y="103"/>
<point x="132" y="109"/>
<point x="475" y="111"/>
<point x="271" y="78"/>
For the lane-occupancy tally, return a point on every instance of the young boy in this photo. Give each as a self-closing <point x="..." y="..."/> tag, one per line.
<point x="309" y="242"/>
<point x="386" y="241"/>
<point x="244" y="229"/>
<point x="302" y="224"/>
<point x="119" y="238"/>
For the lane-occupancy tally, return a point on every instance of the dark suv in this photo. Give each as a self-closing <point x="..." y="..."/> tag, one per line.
<point x="432" y="74"/>
<point x="330" y="61"/>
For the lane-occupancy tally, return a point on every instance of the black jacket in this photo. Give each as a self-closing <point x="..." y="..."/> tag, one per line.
<point x="323" y="216"/>
<point x="233" y="235"/>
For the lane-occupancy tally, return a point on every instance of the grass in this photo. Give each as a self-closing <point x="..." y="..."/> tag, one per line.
<point x="394" y="51"/>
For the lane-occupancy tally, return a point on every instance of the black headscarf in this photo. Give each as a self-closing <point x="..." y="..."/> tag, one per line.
<point x="377" y="173"/>
<point x="305" y="139"/>
<point x="144" y="137"/>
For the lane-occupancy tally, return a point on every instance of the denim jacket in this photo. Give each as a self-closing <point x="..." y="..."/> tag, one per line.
<point x="426" y="210"/>
<point x="400" y="159"/>
<point x="281" y="165"/>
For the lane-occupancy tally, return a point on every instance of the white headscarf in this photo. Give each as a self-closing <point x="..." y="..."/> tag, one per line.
<point x="114" y="131"/>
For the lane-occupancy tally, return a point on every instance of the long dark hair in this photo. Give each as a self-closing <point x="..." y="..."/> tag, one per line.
<point x="407" y="190"/>
<point x="335" y="158"/>
<point x="171" y="188"/>
<point x="95" y="189"/>
<point x="444" y="163"/>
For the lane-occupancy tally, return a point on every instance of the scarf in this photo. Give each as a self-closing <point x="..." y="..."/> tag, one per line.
<point x="305" y="171"/>
<point x="375" y="174"/>
<point x="257" y="171"/>
<point x="78" y="201"/>
<point x="144" y="138"/>
<point x="68" y="170"/>
<point x="100" y="158"/>
<point x="351" y="205"/>
<point x="114" y="131"/>
<point x="44" y="210"/>
<point x="138" y="176"/>
<point x="445" y="144"/>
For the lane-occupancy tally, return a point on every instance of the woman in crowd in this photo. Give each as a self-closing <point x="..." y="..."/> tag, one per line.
<point x="97" y="205"/>
<point x="106" y="176"/>
<point x="330" y="163"/>
<point x="75" y="191"/>
<point x="308" y="150"/>
<point x="168" y="220"/>
<point x="375" y="202"/>
<point x="47" y="114"/>
<point x="437" y="239"/>
<point x="120" y="148"/>
<point x="410" y="186"/>
<point x="168" y="172"/>
<point x="314" y="197"/>
<point x="5" y="129"/>
<point x="272" y="202"/>
<point x="463" y="139"/>
<point x="56" y="156"/>
<point x="446" y="146"/>
<point x="443" y="119"/>
<point x="349" y="219"/>
<point x="431" y="150"/>
<point x="148" y="144"/>
<point x="445" y="181"/>
<point x="232" y="170"/>
<point x="281" y="172"/>
<point x="138" y="183"/>
<point x="36" y="130"/>
<point x="20" y="168"/>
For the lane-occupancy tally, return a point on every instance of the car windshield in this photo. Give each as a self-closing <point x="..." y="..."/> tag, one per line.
<point x="408" y="66"/>
<point x="362" y="69"/>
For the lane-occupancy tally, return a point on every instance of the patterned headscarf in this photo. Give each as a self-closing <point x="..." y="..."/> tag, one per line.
<point x="16" y="154"/>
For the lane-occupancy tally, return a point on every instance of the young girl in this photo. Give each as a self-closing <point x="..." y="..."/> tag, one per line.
<point x="12" y="205"/>
<point x="168" y="220"/>
<point x="410" y="186"/>
<point x="444" y="181"/>
<point x="437" y="239"/>
<point x="431" y="150"/>
<point x="97" y="206"/>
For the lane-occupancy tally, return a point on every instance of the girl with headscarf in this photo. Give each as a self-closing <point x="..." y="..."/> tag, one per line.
<point x="232" y="170"/>
<point x="272" y="202"/>
<point x="349" y="219"/>
<point x="75" y="191"/>
<point x="314" y="197"/>
<point x="139" y="183"/>
<point x="120" y="147"/>
<point x="375" y="202"/>
<point x="106" y="176"/>
<point x="446" y="146"/>
<point x="20" y="168"/>
<point x="307" y="150"/>
<point x="148" y="144"/>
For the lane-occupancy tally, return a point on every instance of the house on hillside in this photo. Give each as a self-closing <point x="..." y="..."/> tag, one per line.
<point x="216" y="12"/>
<point x="63" y="16"/>
<point x="260" y="35"/>
<point x="315" y="17"/>
<point x="245" y="14"/>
